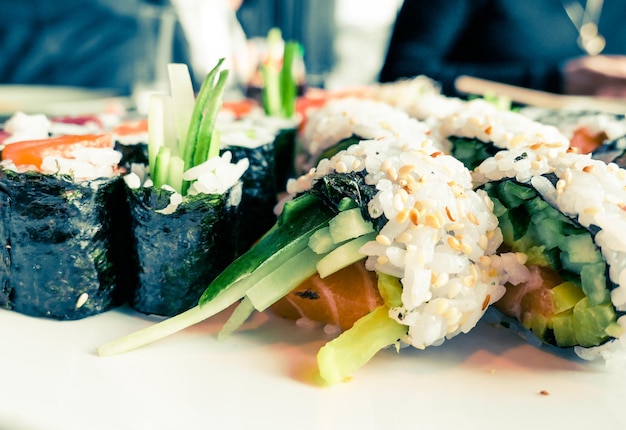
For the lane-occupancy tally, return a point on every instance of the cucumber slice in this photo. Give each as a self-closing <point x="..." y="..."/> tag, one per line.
<point x="321" y="242"/>
<point x="348" y="225"/>
<point x="242" y="312"/>
<point x="343" y="256"/>
<point x="283" y="279"/>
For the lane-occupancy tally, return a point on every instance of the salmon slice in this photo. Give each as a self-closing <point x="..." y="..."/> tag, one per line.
<point x="339" y="299"/>
<point x="32" y="152"/>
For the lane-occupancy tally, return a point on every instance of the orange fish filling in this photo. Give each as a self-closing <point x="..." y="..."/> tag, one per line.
<point x="339" y="299"/>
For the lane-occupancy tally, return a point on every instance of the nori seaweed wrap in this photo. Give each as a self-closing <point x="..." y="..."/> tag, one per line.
<point x="178" y="254"/>
<point x="259" y="196"/>
<point x="61" y="244"/>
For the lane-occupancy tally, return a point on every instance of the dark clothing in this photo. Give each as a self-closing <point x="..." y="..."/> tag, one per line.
<point x="522" y="43"/>
<point x="86" y="43"/>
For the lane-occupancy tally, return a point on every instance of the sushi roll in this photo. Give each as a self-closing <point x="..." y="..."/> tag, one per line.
<point x="569" y="224"/>
<point x="247" y="141"/>
<point x="343" y="122"/>
<point x="396" y="206"/>
<point x="62" y="227"/>
<point x="184" y="216"/>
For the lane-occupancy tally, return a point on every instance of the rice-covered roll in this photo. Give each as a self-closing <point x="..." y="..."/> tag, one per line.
<point x="343" y="122"/>
<point x="63" y="223"/>
<point x="395" y="207"/>
<point x="496" y="143"/>
<point x="601" y="134"/>
<point x="569" y="224"/>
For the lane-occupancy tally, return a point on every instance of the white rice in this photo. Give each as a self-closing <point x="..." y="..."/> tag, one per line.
<point x="438" y="232"/>
<point x="342" y="118"/>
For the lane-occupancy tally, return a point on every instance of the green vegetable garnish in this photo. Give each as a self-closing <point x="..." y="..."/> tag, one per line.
<point x="280" y="83"/>
<point x="259" y="269"/>
<point x="181" y="128"/>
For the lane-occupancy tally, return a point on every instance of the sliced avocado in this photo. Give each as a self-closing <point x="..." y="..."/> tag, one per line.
<point x="565" y="296"/>
<point x="593" y="281"/>
<point x="591" y="322"/>
<point x="563" y="328"/>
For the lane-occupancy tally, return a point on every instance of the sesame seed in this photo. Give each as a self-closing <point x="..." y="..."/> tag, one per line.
<point x="449" y="214"/>
<point x="469" y="281"/>
<point x="402" y="216"/>
<point x="467" y="249"/>
<point x="341" y="167"/>
<point x="485" y="260"/>
<point x="486" y="301"/>
<point x="483" y="242"/>
<point x="588" y="169"/>
<point x="407" y="168"/>
<point x="472" y="218"/>
<point x="454" y="243"/>
<point x="414" y="216"/>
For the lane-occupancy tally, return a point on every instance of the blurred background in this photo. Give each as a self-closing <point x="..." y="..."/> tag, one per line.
<point x="124" y="45"/>
<point x="344" y="40"/>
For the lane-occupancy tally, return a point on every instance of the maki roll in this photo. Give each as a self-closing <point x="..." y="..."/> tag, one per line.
<point x="62" y="225"/>
<point x="396" y="206"/>
<point x="181" y="243"/>
<point x="569" y="224"/>
<point x="247" y="141"/>
<point x="184" y="216"/>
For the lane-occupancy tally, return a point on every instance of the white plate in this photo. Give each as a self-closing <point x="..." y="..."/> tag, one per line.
<point x="56" y="100"/>
<point x="263" y="377"/>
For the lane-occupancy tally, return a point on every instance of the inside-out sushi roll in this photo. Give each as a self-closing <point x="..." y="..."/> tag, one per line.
<point x="345" y="121"/>
<point x="399" y="206"/>
<point x="569" y="223"/>
<point x="63" y="221"/>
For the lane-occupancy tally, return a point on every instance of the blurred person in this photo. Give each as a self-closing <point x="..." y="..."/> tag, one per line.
<point x="214" y="32"/>
<point x="561" y="46"/>
<point x="85" y="43"/>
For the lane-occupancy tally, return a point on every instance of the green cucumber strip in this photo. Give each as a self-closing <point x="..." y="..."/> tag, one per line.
<point x="288" y="80"/>
<point x="283" y="279"/>
<point x="282" y="242"/>
<point x="161" y="166"/>
<point x="239" y="316"/>
<point x="213" y="105"/>
<point x="343" y="256"/>
<point x="352" y="349"/>
<point x="204" y="94"/>
<point x="215" y="144"/>
<point x="348" y="225"/>
<point x="270" y="95"/>
<point x="278" y="246"/>
<point x="174" y="324"/>
<point x="321" y="242"/>
<point x="181" y="89"/>
<point x="175" y="173"/>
